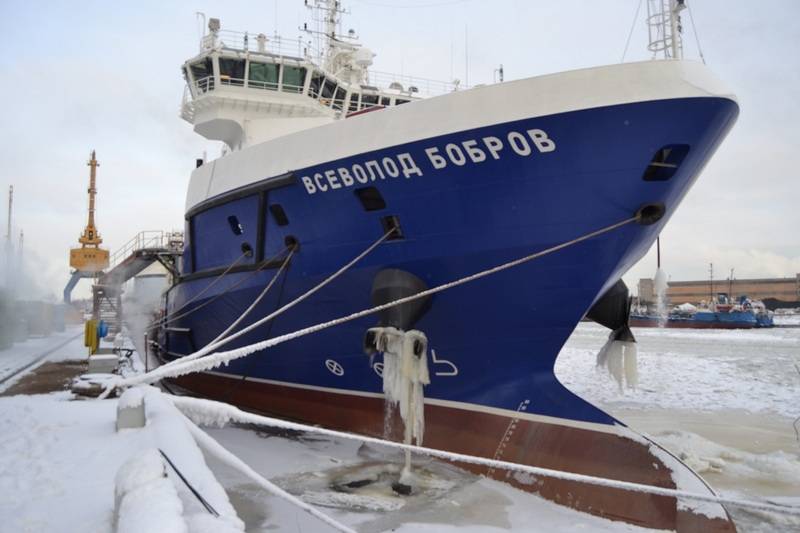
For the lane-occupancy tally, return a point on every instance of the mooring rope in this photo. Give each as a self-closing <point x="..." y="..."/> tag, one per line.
<point x="173" y="317"/>
<point x="165" y="320"/>
<point x="209" y="412"/>
<point x="181" y="367"/>
<point x="211" y="446"/>
<point x="216" y="343"/>
<point x="257" y="300"/>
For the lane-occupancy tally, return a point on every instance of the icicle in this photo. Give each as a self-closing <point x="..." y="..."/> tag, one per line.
<point x="619" y="356"/>
<point x="631" y="365"/>
<point x="405" y="374"/>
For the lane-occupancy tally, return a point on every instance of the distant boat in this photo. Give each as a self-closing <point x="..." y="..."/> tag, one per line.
<point x="721" y="314"/>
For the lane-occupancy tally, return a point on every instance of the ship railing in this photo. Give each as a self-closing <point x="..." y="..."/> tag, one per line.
<point x="148" y="239"/>
<point x="413" y="85"/>
<point x="249" y="42"/>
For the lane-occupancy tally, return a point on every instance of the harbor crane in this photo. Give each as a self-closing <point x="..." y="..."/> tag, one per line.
<point x="89" y="260"/>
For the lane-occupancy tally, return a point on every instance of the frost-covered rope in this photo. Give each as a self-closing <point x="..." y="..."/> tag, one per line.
<point x="218" y="451"/>
<point x="179" y="367"/>
<point x="216" y="343"/>
<point x="257" y="300"/>
<point x="209" y="412"/>
<point x="165" y="320"/>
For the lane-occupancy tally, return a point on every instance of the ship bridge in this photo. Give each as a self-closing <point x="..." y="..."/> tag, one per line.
<point x="243" y="90"/>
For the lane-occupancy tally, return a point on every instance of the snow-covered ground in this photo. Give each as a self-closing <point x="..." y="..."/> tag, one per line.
<point x="55" y="347"/>
<point x="723" y="401"/>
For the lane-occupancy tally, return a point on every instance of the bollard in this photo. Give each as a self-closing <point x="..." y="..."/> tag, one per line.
<point x="130" y="409"/>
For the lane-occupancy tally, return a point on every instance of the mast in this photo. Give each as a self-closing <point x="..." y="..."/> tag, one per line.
<point x="665" y="29"/>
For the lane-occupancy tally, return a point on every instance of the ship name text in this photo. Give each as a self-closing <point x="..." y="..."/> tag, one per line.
<point x="469" y="152"/>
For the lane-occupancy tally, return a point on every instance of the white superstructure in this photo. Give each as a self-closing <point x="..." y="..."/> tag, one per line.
<point x="243" y="89"/>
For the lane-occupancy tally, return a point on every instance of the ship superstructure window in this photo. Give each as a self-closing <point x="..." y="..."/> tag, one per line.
<point x="203" y="74"/>
<point x="317" y="79"/>
<point x="338" y="99"/>
<point x="665" y="162"/>
<point x="231" y="71"/>
<point x="264" y="75"/>
<point x="369" y="100"/>
<point x="353" y="105"/>
<point x="294" y="79"/>
<point x="328" y="90"/>
<point x="399" y="101"/>
<point x="385" y="101"/>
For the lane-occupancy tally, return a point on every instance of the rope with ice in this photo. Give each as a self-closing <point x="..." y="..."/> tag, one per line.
<point x="212" y="413"/>
<point x="200" y="361"/>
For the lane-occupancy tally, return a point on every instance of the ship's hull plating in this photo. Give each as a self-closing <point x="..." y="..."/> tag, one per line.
<point x="493" y="343"/>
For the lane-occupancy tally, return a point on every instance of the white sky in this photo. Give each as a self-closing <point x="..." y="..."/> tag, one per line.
<point x="105" y="75"/>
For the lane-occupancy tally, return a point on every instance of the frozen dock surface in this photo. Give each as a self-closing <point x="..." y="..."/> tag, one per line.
<point x="723" y="401"/>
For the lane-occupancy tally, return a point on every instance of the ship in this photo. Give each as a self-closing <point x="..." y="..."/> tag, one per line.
<point x="720" y="314"/>
<point x="426" y="183"/>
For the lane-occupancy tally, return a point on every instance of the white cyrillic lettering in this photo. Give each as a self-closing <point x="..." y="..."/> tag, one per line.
<point x="345" y="176"/>
<point x="476" y="154"/>
<point x="408" y="165"/>
<point x="332" y="179"/>
<point x="455" y="154"/>
<point x="542" y="141"/>
<point x="318" y="180"/>
<point x="519" y="143"/>
<point x="436" y="160"/>
<point x="390" y="167"/>
<point x="494" y="145"/>
<point x="375" y="171"/>
<point x="309" y="184"/>
<point x="360" y="174"/>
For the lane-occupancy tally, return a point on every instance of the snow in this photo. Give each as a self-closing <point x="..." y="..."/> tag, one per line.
<point x="749" y="370"/>
<point x="65" y="345"/>
<point x="59" y="458"/>
<point x="146" y="499"/>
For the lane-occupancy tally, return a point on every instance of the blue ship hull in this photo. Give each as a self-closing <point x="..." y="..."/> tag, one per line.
<point x="494" y="342"/>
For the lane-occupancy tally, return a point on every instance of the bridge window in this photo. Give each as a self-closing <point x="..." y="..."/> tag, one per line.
<point x="369" y="100"/>
<point x="294" y="79"/>
<point x="231" y="71"/>
<point x="385" y="101"/>
<point x="399" y="101"/>
<point x="317" y="79"/>
<point x="338" y="99"/>
<point x="264" y="75"/>
<point x="328" y="90"/>
<point x="203" y="74"/>
<point x="353" y="105"/>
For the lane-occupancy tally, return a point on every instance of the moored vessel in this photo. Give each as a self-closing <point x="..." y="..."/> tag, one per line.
<point x="324" y="164"/>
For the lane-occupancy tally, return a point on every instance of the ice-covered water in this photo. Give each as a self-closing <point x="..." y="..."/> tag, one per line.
<point x="725" y="402"/>
<point x="699" y="370"/>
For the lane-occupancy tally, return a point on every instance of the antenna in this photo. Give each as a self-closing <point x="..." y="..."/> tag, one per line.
<point x="466" y="57"/>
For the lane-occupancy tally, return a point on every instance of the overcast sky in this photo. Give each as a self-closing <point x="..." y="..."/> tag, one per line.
<point x="105" y="75"/>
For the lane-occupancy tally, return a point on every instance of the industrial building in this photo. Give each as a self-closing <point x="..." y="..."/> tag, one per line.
<point x="774" y="292"/>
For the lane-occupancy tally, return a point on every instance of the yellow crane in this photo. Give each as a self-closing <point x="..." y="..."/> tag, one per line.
<point x="90" y="258"/>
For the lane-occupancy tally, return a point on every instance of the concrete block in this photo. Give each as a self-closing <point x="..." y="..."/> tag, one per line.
<point x="103" y="363"/>
<point x="130" y="410"/>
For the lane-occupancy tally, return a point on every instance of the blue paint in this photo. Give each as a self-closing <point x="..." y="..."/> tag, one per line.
<point x="503" y="332"/>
